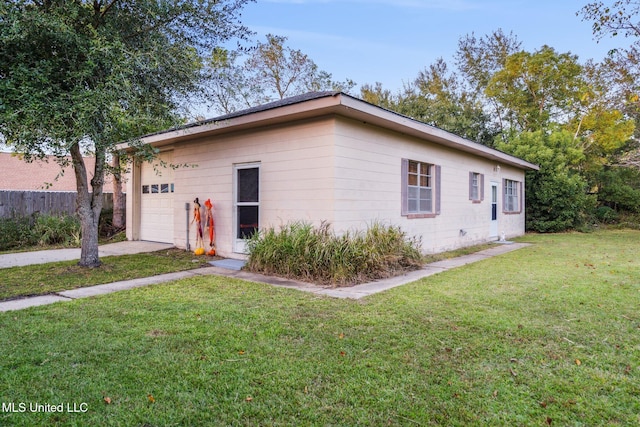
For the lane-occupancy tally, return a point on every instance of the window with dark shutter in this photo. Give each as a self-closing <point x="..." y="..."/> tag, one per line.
<point x="476" y="187"/>
<point x="420" y="189"/>
<point x="512" y="199"/>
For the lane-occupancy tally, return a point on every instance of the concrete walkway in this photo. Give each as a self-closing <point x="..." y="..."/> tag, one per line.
<point x="19" y="259"/>
<point x="353" y="292"/>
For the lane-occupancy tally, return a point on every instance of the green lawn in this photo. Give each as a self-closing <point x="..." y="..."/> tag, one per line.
<point x="40" y="279"/>
<point x="549" y="334"/>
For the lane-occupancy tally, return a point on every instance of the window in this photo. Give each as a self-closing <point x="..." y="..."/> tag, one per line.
<point x="512" y="199"/>
<point x="420" y="189"/>
<point x="157" y="188"/>
<point x="476" y="187"/>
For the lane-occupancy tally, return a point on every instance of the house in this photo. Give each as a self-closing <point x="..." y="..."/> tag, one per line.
<point x="325" y="156"/>
<point x="42" y="186"/>
<point x="40" y="175"/>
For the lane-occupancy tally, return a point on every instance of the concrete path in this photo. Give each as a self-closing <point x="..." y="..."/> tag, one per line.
<point x="19" y="259"/>
<point x="353" y="292"/>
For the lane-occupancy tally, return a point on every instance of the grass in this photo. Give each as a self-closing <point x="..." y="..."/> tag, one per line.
<point x="440" y="256"/>
<point x="301" y="251"/>
<point x="41" y="279"/>
<point x="549" y="334"/>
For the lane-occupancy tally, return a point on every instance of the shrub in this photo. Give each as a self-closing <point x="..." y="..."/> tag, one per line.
<point x="57" y="230"/>
<point x="556" y="202"/>
<point x="627" y="220"/>
<point x="618" y="189"/>
<point x="606" y="215"/>
<point x="299" y="250"/>
<point x="39" y="229"/>
<point x="15" y="232"/>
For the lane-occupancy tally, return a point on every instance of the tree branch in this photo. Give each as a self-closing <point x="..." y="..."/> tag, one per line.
<point x="106" y="9"/>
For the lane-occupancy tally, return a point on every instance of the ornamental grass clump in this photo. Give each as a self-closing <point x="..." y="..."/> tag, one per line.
<point x="39" y="229"/>
<point x="316" y="254"/>
<point x="57" y="230"/>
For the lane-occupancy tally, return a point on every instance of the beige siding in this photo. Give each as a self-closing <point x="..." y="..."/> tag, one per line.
<point x="368" y="187"/>
<point x="296" y="168"/>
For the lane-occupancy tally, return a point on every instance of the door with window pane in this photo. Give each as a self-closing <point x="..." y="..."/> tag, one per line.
<point x="493" y="231"/>
<point x="247" y="204"/>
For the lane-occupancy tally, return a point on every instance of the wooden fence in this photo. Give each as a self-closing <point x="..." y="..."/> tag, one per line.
<point x="26" y="203"/>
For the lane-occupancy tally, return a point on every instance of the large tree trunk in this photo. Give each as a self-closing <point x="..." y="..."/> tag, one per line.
<point x="119" y="204"/>
<point x="89" y="205"/>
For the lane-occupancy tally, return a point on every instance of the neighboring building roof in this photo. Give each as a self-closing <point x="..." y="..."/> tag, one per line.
<point x="316" y="104"/>
<point x="16" y="174"/>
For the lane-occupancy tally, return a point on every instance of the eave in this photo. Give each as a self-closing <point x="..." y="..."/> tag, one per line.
<point x="328" y="104"/>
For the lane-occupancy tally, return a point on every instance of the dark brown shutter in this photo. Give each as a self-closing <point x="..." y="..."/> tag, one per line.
<point x="520" y="198"/>
<point x="504" y="195"/>
<point x="437" y="196"/>
<point x="404" y="171"/>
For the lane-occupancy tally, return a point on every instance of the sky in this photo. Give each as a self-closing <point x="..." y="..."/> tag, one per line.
<point x="391" y="41"/>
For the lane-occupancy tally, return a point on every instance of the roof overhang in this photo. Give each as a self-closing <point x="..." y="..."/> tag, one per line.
<point x="328" y="104"/>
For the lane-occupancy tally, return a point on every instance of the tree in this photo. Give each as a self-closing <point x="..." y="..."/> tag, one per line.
<point x="479" y="58"/>
<point x="119" y="217"/>
<point x="623" y="64"/>
<point x="81" y="76"/>
<point x="619" y="17"/>
<point x="231" y="88"/>
<point x="619" y="188"/>
<point x="536" y="89"/>
<point x="271" y="70"/>
<point x="556" y="194"/>
<point x="438" y="97"/>
<point x="379" y="96"/>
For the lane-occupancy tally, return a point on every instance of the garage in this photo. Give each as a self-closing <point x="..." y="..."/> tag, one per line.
<point x="156" y="201"/>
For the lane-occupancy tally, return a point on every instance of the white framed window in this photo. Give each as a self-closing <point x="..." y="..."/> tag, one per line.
<point x="476" y="187"/>
<point x="420" y="189"/>
<point x="512" y="200"/>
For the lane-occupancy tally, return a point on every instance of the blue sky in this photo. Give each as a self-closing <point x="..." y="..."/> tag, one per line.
<point x="390" y="41"/>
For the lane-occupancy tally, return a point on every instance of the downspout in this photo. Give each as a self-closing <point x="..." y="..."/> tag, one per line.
<point x="187" y="209"/>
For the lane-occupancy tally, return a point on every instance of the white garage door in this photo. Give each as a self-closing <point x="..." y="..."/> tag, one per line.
<point x="156" y="204"/>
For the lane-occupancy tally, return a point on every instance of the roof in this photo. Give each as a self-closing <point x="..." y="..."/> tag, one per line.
<point x="18" y="174"/>
<point x="316" y="104"/>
